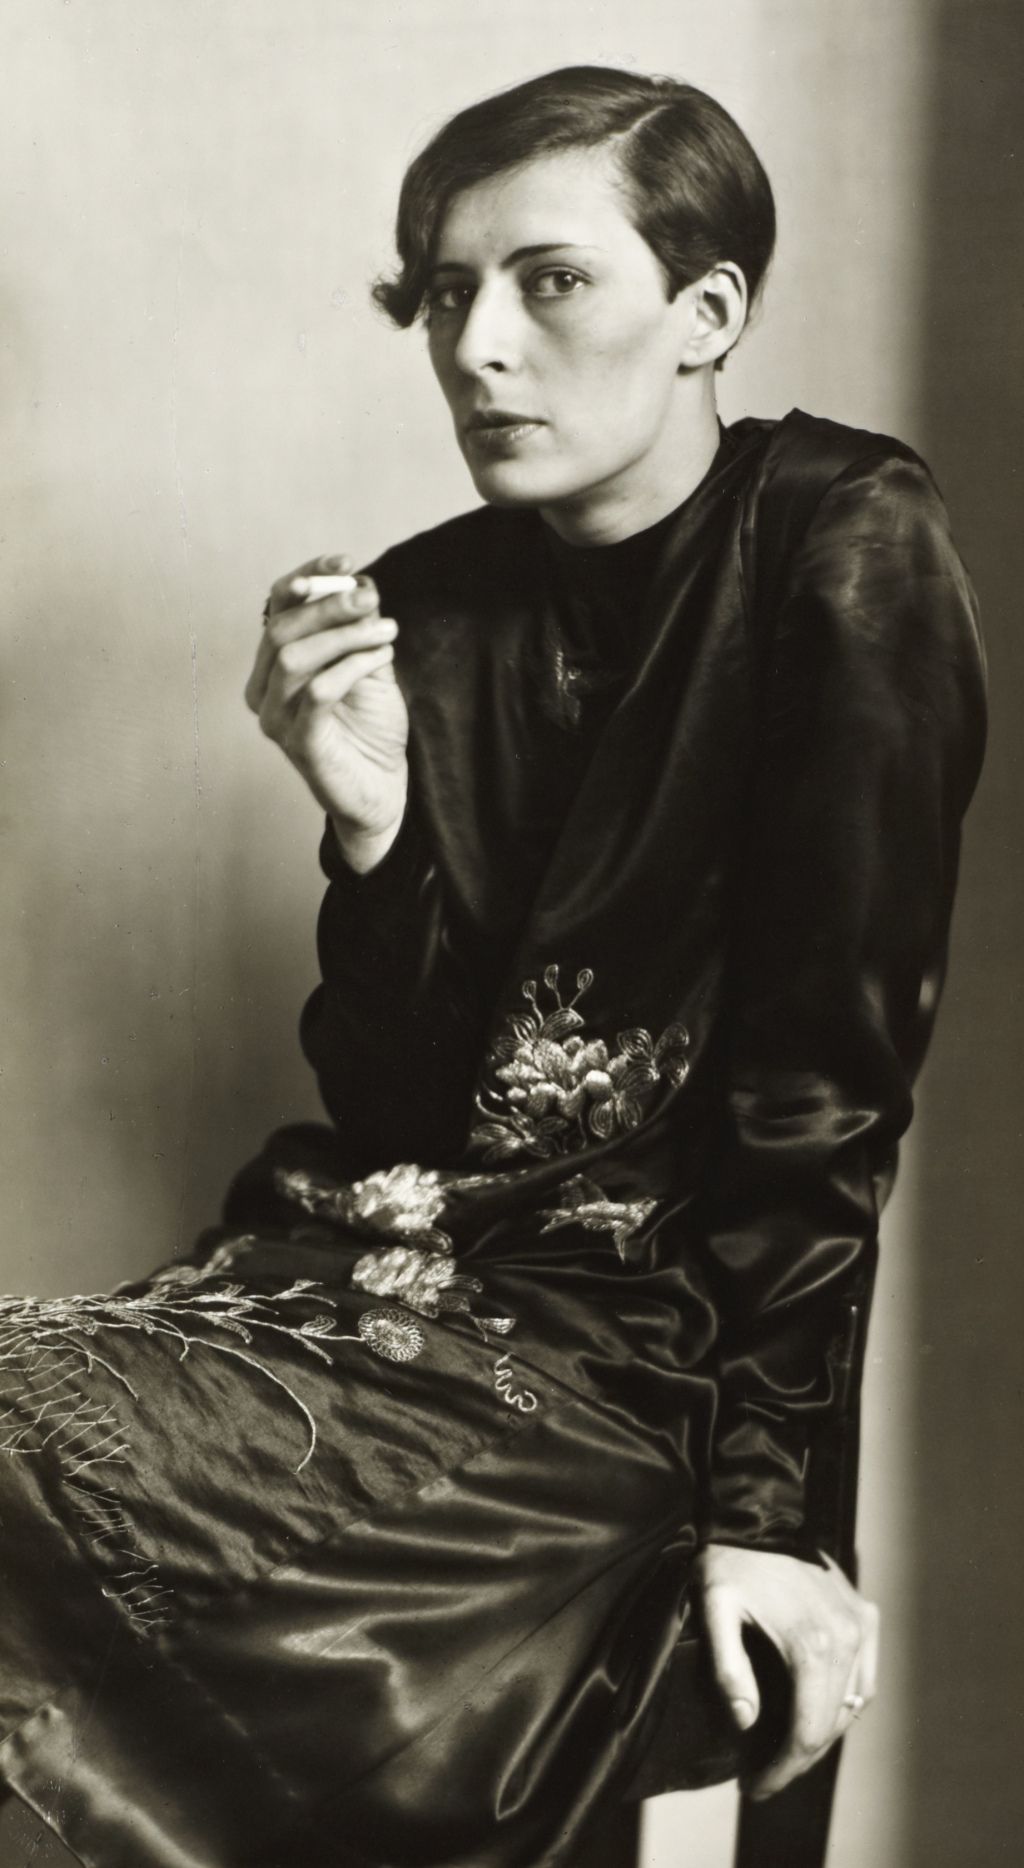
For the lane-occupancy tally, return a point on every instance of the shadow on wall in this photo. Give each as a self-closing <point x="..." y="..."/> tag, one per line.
<point x="965" y="1786"/>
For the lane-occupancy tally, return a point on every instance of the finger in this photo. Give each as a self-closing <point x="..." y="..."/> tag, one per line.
<point x="323" y="691"/>
<point x="298" y="660"/>
<point x="255" y="691"/>
<point x="853" y="1701"/>
<point x="723" y="1621"/>
<point x="867" y="1617"/>
<point x="813" y="1720"/>
<point x="771" y="1781"/>
<point x="332" y="684"/>
<point x="783" y="1771"/>
<point x="307" y="619"/>
<point x="822" y="1666"/>
<point x="360" y="598"/>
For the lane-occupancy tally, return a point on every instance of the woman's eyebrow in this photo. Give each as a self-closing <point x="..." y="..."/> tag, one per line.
<point x="521" y="252"/>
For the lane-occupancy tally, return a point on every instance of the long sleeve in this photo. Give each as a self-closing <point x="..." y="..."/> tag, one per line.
<point x="389" y="1031"/>
<point x="369" y="1029"/>
<point x="871" y="738"/>
<point x="413" y="954"/>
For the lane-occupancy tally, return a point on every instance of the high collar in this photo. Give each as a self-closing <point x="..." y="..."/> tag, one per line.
<point x="604" y="588"/>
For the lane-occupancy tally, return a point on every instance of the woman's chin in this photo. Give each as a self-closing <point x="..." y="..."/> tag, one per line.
<point x="514" y="483"/>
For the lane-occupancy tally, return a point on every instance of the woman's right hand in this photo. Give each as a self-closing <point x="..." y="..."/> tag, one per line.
<point x="323" y="685"/>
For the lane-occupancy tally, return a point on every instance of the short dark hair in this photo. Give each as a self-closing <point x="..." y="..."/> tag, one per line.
<point x="696" y="189"/>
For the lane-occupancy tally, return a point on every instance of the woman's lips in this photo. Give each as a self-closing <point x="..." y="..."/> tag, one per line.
<point x="496" y="436"/>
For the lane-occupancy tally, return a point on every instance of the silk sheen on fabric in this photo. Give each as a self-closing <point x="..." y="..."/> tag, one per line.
<point x="363" y="1536"/>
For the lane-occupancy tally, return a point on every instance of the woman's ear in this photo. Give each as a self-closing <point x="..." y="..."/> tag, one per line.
<point x="718" y="312"/>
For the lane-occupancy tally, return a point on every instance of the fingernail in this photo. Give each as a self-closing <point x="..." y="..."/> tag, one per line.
<point x="743" y="1713"/>
<point x="366" y="599"/>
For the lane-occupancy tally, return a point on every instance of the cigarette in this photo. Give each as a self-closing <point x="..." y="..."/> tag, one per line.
<point x="328" y="586"/>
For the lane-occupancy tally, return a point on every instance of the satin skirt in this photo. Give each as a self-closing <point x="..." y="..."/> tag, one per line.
<point x="292" y="1576"/>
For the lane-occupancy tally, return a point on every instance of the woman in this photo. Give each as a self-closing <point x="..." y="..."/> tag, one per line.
<point x="364" y="1536"/>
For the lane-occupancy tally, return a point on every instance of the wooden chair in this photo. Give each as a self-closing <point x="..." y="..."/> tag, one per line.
<point x="695" y="1743"/>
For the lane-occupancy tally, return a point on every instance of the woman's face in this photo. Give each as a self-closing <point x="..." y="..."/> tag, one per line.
<point x="548" y="306"/>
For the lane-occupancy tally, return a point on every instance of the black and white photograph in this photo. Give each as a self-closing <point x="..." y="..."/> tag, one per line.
<point x="511" y="1012"/>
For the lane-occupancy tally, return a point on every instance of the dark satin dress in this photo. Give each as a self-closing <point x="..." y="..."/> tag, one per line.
<point x="362" y="1536"/>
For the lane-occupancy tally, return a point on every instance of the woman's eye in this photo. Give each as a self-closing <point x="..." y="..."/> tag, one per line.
<point x="555" y="282"/>
<point x="448" y="298"/>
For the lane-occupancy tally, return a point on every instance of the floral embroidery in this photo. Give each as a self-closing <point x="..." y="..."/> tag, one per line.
<point x="49" y="1348"/>
<point x="583" y="1203"/>
<point x="42" y="1405"/>
<point x="426" y="1282"/>
<point x="406" y="1201"/>
<point x="403" y="1201"/>
<point x="423" y="1280"/>
<point x="563" y="1090"/>
<point x="392" y="1334"/>
<point x="62" y="1333"/>
<point x="104" y="1523"/>
<point x="569" y="682"/>
<point x="184" y="1272"/>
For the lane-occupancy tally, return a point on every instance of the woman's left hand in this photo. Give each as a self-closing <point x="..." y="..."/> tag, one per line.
<point x="826" y="1633"/>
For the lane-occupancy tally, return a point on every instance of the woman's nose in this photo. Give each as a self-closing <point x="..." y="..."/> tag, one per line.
<point x="490" y="337"/>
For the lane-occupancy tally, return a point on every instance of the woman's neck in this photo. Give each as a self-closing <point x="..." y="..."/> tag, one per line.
<point x="668" y="474"/>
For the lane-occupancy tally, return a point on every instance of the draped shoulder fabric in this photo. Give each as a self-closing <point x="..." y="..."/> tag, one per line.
<point x="363" y="1535"/>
